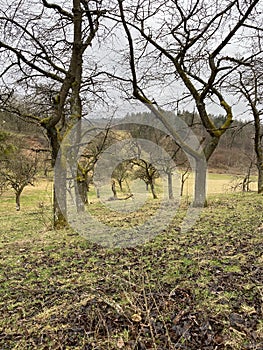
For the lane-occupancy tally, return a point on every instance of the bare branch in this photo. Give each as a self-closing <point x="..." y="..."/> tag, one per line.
<point x="57" y="8"/>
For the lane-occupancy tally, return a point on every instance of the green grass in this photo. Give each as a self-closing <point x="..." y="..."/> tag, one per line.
<point x="199" y="289"/>
<point x="219" y="183"/>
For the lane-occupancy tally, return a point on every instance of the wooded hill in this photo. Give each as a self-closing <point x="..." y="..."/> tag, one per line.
<point x="234" y="154"/>
<point x="235" y="151"/>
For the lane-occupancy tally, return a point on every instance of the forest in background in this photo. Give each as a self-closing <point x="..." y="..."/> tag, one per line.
<point x="234" y="154"/>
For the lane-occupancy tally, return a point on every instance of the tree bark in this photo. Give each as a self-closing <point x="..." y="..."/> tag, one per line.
<point x="60" y="194"/>
<point x="153" y="190"/>
<point x="200" y="184"/>
<point x="201" y="172"/>
<point x="200" y="199"/>
<point x="184" y="177"/>
<point x="82" y="198"/>
<point x="170" y="185"/>
<point x="260" y="177"/>
<point x="60" y="184"/>
<point x="113" y="188"/>
<point x="18" y="195"/>
<point x="120" y="184"/>
<point x="71" y="83"/>
<point x="258" y="149"/>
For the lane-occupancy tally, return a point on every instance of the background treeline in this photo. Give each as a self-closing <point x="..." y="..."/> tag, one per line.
<point x="235" y="151"/>
<point x="234" y="154"/>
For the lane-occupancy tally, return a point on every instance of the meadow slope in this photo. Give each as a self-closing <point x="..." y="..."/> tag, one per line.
<point x="196" y="290"/>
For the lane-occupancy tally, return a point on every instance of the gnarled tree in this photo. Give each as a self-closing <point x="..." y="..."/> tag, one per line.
<point x="250" y="85"/>
<point x="185" y="47"/>
<point x="44" y="63"/>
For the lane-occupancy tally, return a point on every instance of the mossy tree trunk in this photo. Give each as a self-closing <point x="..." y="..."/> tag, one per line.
<point x="53" y="54"/>
<point x="258" y="148"/>
<point x="60" y="194"/>
<point x="153" y="189"/>
<point x="200" y="199"/>
<point x="249" y="85"/>
<point x="185" y="52"/>
<point x="200" y="184"/>
<point x="70" y="91"/>
<point x="170" y="185"/>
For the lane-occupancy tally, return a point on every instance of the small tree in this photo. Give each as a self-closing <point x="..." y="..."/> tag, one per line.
<point x="18" y="170"/>
<point x="146" y="172"/>
<point x="121" y="173"/>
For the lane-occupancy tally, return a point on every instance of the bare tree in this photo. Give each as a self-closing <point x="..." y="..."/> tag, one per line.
<point x="89" y="155"/>
<point x="43" y="49"/>
<point x="249" y="84"/>
<point x="147" y="172"/>
<point x="121" y="173"/>
<point x="183" y="45"/>
<point x="18" y="169"/>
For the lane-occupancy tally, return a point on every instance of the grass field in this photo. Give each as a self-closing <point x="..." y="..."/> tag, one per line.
<point x="220" y="183"/>
<point x="200" y="289"/>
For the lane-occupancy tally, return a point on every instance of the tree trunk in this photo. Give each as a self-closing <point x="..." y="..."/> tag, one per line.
<point x="246" y="181"/>
<point x="258" y="149"/>
<point x="60" y="194"/>
<point x="182" y="185"/>
<point x="200" y="184"/>
<point x="260" y="177"/>
<point x="18" y="194"/>
<point x="184" y="177"/>
<point x="153" y="190"/>
<point x="201" y="173"/>
<point x="79" y="175"/>
<point x="82" y="197"/>
<point x="72" y="82"/>
<point x="60" y="185"/>
<point x="120" y="184"/>
<point x="59" y="220"/>
<point x="113" y="188"/>
<point x="170" y="185"/>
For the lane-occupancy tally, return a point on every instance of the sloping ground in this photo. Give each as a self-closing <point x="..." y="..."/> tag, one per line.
<point x="197" y="290"/>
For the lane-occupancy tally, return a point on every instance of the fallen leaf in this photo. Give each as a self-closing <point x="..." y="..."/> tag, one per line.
<point x="136" y="318"/>
<point x="120" y="343"/>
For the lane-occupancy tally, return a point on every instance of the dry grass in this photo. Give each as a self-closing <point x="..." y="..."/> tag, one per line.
<point x="194" y="290"/>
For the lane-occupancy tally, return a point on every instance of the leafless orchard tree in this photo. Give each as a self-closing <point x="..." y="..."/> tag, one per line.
<point x="146" y="171"/>
<point x="45" y="51"/>
<point x="187" y="48"/>
<point x="175" y="47"/>
<point x="170" y="160"/>
<point x="20" y="172"/>
<point x="18" y="165"/>
<point x="89" y="155"/>
<point x="248" y="82"/>
<point x="121" y="173"/>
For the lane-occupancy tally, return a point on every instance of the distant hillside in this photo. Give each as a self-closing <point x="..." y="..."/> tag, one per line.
<point x="11" y="122"/>
<point x="235" y="151"/>
<point x="28" y="136"/>
<point x="234" y="154"/>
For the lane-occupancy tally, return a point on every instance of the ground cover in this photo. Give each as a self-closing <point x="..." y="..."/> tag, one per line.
<point x="196" y="290"/>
